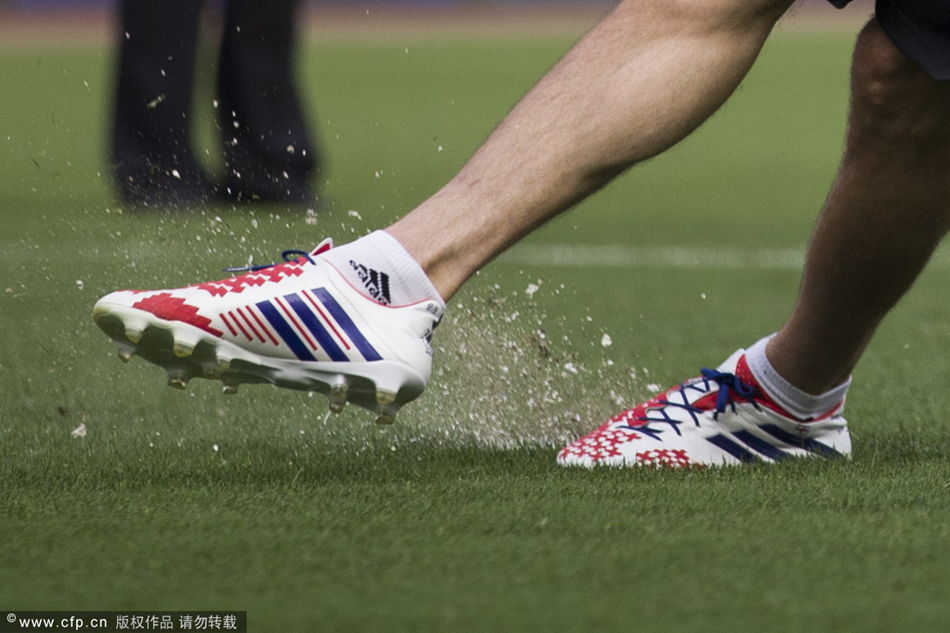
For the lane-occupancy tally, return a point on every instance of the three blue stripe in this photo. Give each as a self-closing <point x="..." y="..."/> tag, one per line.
<point x="343" y="319"/>
<point x="323" y="337"/>
<point x="763" y="447"/>
<point x="310" y="321"/>
<point x="732" y="448"/>
<point x="810" y="445"/>
<point x="285" y="330"/>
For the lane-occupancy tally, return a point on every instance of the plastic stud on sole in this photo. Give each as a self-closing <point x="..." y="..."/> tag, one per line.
<point x="337" y="396"/>
<point x="385" y="397"/>
<point x="386" y="415"/>
<point x="222" y="364"/>
<point x="183" y="350"/>
<point x="177" y="380"/>
<point x="386" y="412"/>
<point x="125" y="354"/>
<point x="229" y="388"/>
<point x="133" y="334"/>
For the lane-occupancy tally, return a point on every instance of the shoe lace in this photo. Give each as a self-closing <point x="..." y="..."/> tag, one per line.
<point x="288" y="255"/>
<point x="731" y="390"/>
<point x="729" y="385"/>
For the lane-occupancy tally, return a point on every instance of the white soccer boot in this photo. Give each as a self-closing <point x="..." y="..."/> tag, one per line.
<point x="298" y="324"/>
<point x="720" y="418"/>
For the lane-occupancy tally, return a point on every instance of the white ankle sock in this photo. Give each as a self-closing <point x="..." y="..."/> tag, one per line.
<point x="802" y="405"/>
<point x="379" y="265"/>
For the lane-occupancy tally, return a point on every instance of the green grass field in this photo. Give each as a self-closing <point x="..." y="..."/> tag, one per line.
<point x="457" y="518"/>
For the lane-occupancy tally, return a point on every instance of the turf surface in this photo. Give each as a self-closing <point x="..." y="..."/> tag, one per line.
<point x="457" y="518"/>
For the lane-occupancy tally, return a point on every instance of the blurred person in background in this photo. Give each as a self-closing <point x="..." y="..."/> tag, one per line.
<point x="267" y="150"/>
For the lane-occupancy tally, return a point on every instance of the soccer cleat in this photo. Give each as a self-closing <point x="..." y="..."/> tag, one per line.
<point x="720" y="418"/>
<point x="298" y="324"/>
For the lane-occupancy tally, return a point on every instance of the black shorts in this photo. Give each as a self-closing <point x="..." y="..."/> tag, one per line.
<point x="920" y="28"/>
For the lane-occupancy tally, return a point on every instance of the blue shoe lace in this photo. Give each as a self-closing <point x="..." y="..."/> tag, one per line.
<point x="731" y="388"/>
<point x="729" y="384"/>
<point x="286" y="255"/>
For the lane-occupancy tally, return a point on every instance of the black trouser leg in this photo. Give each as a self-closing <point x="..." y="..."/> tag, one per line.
<point x="151" y="153"/>
<point x="269" y="153"/>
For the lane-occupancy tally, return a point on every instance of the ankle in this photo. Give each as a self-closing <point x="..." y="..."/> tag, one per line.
<point x="383" y="270"/>
<point x="444" y="269"/>
<point x="800" y="402"/>
<point x="814" y="371"/>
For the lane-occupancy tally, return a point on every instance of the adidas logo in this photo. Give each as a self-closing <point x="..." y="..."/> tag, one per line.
<point x="376" y="283"/>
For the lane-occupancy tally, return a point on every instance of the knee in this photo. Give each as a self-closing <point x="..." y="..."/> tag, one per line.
<point x="891" y="94"/>
<point x="881" y="75"/>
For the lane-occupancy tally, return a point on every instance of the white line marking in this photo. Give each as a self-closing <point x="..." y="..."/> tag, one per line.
<point x="589" y="256"/>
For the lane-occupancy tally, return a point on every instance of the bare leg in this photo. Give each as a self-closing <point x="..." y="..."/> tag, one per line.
<point x="887" y="211"/>
<point x="640" y="81"/>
